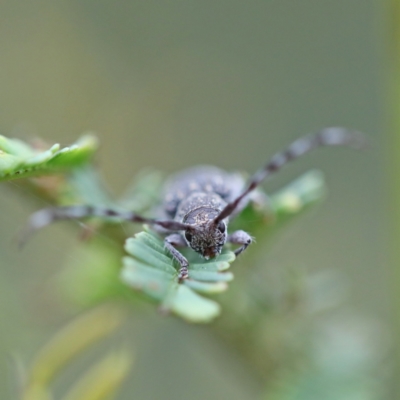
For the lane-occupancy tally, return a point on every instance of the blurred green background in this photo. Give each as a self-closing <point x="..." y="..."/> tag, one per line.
<point x="173" y="84"/>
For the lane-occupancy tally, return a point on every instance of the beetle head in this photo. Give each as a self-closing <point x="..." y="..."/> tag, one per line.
<point x="204" y="235"/>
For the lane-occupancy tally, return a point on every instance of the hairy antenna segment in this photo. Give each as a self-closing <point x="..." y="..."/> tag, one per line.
<point x="336" y="136"/>
<point x="46" y="216"/>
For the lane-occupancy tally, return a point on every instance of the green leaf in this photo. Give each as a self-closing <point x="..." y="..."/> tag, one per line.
<point x="91" y="274"/>
<point x="69" y="343"/>
<point x="189" y="305"/>
<point x="299" y="194"/>
<point x="20" y="160"/>
<point x="151" y="269"/>
<point x="144" y="191"/>
<point x="87" y="187"/>
<point x="103" y="379"/>
<point x="282" y="206"/>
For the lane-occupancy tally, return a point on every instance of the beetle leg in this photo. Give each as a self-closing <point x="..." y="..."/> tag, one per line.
<point x="240" y="237"/>
<point x="177" y="240"/>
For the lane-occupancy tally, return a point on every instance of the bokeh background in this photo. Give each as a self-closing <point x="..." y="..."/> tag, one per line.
<point x="173" y="84"/>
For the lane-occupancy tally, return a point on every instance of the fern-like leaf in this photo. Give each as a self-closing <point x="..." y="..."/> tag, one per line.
<point x="20" y="160"/>
<point x="151" y="269"/>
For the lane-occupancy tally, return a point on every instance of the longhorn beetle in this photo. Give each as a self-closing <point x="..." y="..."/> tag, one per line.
<point x="198" y="202"/>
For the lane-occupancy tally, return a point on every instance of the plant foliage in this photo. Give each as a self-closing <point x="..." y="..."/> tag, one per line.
<point x="151" y="269"/>
<point x="101" y="380"/>
<point x="21" y="160"/>
<point x="148" y="267"/>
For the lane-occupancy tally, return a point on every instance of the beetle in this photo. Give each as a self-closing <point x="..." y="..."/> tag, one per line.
<point x="198" y="202"/>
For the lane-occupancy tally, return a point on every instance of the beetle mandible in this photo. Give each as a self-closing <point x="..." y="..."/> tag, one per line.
<point x="198" y="202"/>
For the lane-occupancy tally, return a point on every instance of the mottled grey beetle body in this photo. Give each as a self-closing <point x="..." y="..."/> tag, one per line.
<point x="196" y="196"/>
<point x="198" y="202"/>
<point x="179" y="189"/>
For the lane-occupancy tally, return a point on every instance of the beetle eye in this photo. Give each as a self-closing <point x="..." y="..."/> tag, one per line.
<point x="222" y="227"/>
<point x="188" y="236"/>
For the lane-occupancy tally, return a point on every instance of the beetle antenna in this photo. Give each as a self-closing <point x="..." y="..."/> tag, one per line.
<point x="46" y="216"/>
<point x="335" y="136"/>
